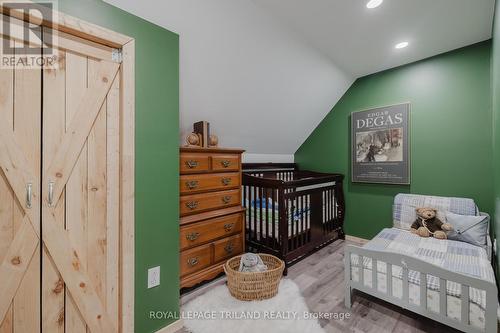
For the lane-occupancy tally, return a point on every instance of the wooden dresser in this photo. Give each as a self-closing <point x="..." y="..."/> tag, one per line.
<point x="211" y="214"/>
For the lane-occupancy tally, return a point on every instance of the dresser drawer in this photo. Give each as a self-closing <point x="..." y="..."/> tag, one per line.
<point x="196" y="259"/>
<point x="228" y="247"/>
<point x="209" y="182"/>
<point x="191" y="204"/>
<point x="206" y="231"/>
<point x="193" y="163"/>
<point x="225" y="162"/>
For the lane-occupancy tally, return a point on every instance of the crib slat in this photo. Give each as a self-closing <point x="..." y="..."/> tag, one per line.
<point x="465" y="304"/>
<point x="442" y="297"/>
<point x="323" y="211"/>
<point x="423" y="290"/>
<point x="261" y="199"/>
<point x="335" y="212"/>
<point x="245" y="198"/>
<point x="293" y="207"/>
<point x="266" y="219"/>
<point x="361" y="270"/>
<point x="374" y="275"/>
<point x="406" y="287"/>
<point x="304" y="220"/>
<point x="250" y="213"/>
<point x="307" y="217"/>
<point x="389" y="279"/>
<point x="255" y="212"/>
<point x="293" y="225"/>
<point x="332" y="212"/>
<point x="273" y="198"/>
<point x="301" y="222"/>
<point x="329" y="209"/>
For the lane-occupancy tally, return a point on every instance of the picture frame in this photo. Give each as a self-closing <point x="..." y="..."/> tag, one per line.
<point x="380" y="145"/>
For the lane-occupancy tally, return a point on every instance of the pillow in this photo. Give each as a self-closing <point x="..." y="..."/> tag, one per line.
<point x="468" y="228"/>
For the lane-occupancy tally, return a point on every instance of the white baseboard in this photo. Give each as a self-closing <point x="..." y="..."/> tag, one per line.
<point x="356" y="240"/>
<point x="172" y="328"/>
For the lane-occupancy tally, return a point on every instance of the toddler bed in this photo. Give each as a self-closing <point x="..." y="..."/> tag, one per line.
<point x="291" y="212"/>
<point x="446" y="280"/>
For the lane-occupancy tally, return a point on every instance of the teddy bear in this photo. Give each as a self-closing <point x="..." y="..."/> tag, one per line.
<point x="428" y="224"/>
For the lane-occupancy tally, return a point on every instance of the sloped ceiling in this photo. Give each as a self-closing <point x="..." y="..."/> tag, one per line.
<point x="260" y="86"/>
<point x="264" y="73"/>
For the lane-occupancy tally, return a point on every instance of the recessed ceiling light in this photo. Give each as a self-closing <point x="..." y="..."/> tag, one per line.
<point x="374" y="3"/>
<point x="402" y="45"/>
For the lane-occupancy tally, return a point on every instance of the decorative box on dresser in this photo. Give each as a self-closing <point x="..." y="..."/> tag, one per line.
<point x="211" y="213"/>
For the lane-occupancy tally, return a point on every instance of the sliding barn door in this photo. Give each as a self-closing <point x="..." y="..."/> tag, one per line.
<point x="80" y="190"/>
<point x="60" y="189"/>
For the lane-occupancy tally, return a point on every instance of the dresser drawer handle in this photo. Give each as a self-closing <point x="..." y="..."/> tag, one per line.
<point x="192" y="236"/>
<point x="225" y="163"/>
<point x="192" y="204"/>
<point x="193" y="261"/>
<point x="226" y="199"/>
<point x="229" y="248"/>
<point x="228" y="227"/>
<point x="226" y="181"/>
<point x="192" y="184"/>
<point x="191" y="164"/>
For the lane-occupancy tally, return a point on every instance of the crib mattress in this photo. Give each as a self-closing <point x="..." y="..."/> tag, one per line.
<point x="455" y="256"/>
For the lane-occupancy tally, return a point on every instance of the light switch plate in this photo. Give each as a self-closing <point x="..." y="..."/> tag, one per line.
<point x="154" y="277"/>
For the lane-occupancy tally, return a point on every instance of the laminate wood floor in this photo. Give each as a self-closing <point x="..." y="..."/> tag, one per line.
<point x="321" y="280"/>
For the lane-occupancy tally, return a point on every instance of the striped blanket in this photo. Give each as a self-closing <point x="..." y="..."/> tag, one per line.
<point x="458" y="257"/>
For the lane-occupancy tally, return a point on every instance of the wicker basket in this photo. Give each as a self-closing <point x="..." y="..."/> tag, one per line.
<point x="254" y="286"/>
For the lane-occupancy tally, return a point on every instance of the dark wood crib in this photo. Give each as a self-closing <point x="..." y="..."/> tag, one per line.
<point x="291" y="213"/>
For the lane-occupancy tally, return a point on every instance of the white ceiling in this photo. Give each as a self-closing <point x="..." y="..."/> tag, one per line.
<point x="361" y="40"/>
<point x="265" y="73"/>
<point x="261" y="87"/>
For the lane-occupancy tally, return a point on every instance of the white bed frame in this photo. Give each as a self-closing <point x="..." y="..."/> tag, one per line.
<point x="414" y="264"/>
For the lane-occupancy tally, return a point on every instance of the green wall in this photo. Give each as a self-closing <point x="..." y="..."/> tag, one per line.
<point x="157" y="140"/>
<point x="450" y="134"/>
<point x="495" y="84"/>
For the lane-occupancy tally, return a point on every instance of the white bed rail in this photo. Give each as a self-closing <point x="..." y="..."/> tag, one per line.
<point x="410" y="263"/>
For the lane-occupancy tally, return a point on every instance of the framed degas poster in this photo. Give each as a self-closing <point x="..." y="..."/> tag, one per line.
<point x="380" y="150"/>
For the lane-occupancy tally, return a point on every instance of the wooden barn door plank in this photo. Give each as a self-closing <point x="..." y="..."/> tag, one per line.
<point x="53" y="122"/>
<point x="27" y="133"/>
<point x="6" y="195"/>
<point x="76" y="188"/>
<point x="97" y="192"/>
<point x="113" y="202"/>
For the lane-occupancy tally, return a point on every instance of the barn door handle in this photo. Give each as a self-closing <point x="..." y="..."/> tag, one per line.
<point x="29" y="194"/>
<point x="51" y="194"/>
